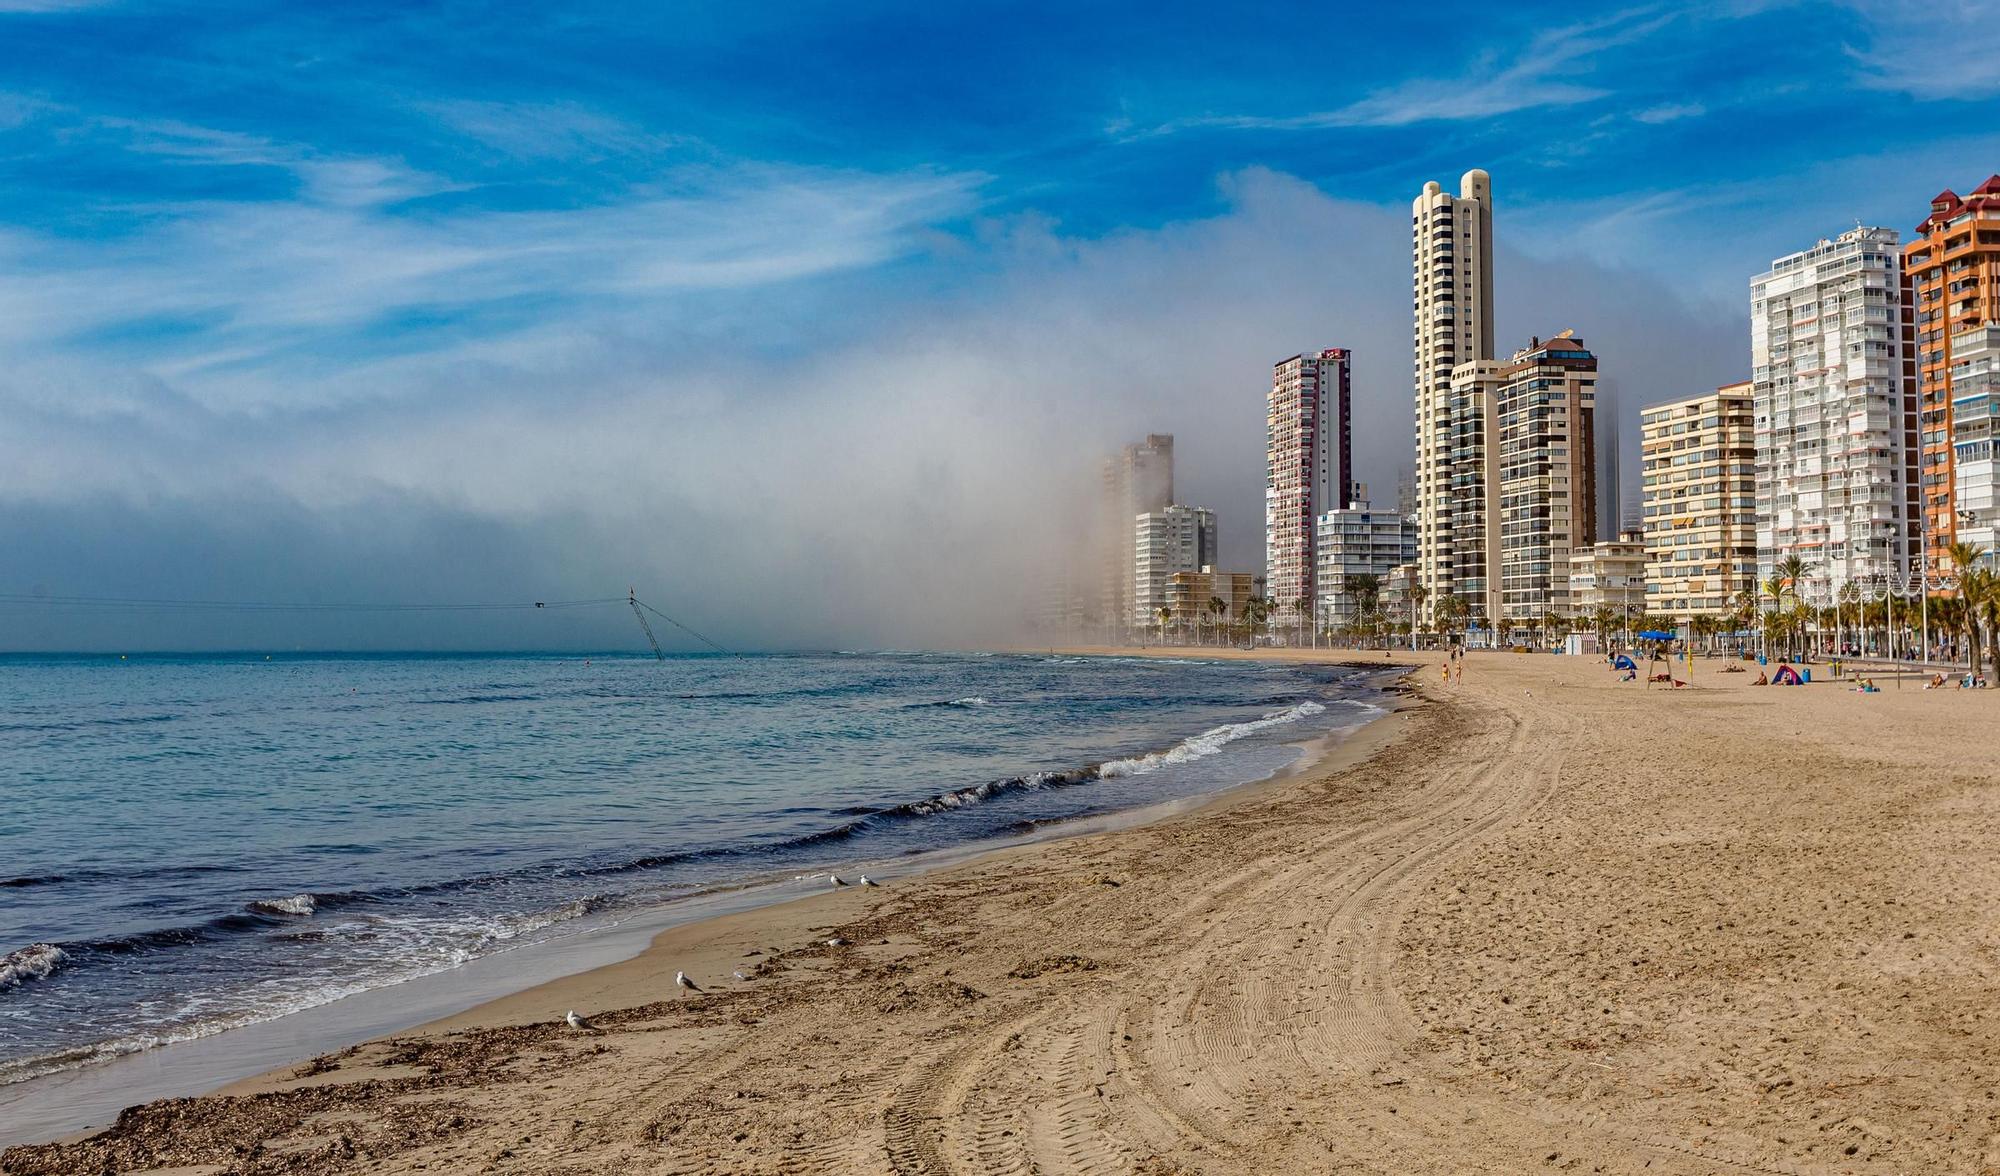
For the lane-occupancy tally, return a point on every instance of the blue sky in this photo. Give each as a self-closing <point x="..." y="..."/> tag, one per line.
<point x="301" y="257"/>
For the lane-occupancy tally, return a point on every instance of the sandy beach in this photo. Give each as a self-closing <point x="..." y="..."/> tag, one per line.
<point x="1540" y="920"/>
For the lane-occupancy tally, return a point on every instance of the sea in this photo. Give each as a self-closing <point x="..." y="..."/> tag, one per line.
<point x="189" y="844"/>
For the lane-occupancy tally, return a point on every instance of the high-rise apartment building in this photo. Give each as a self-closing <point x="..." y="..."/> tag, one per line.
<point x="1836" y="414"/>
<point x="1137" y="479"/>
<point x="1546" y="410"/>
<point x="1699" y="490"/>
<point x="1471" y="525"/>
<point x="1352" y="542"/>
<point x="1309" y="465"/>
<point x="1975" y="429"/>
<point x="1451" y="273"/>
<point x="1954" y="270"/>
<point x="1176" y="539"/>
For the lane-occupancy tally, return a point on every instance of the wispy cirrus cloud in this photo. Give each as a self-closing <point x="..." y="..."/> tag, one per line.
<point x="1495" y="83"/>
<point x="259" y="297"/>
<point x="550" y="130"/>
<point x="1940" y="50"/>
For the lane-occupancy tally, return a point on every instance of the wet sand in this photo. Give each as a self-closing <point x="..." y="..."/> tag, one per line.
<point x="1538" y="921"/>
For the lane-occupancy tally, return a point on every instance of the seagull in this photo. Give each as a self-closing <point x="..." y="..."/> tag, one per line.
<point x="576" y="1022"/>
<point x="740" y="976"/>
<point x="836" y="879"/>
<point x="836" y="941"/>
<point x="865" y="880"/>
<point x="681" y="981"/>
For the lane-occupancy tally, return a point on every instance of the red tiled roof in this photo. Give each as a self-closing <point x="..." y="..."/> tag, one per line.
<point x="1990" y="188"/>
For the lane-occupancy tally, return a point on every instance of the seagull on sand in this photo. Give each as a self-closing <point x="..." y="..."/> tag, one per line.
<point x="576" y="1022"/>
<point x="836" y="879"/>
<point x="865" y="880"/>
<point x="836" y="941"/>
<point x="738" y="973"/>
<point x="681" y="981"/>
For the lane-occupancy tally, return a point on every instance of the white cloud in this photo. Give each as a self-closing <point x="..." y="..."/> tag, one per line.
<point x="1529" y="77"/>
<point x="243" y="289"/>
<point x="1937" y="50"/>
<point x="1670" y="112"/>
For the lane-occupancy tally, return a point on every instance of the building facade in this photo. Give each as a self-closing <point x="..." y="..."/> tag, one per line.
<point x="1451" y="247"/>
<point x="1699" y="497"/>
<point x="1472" y="524"/>
<point x="1954" y="269"/>
<point x="1190" y="594"/>
<point x="1177" y="539"/>
<point x="1137" y="479"/>
<point x="1546" y="410"/>
<point x="1975" y="429"/>
<point x="1353" y="542"/>
<point x="1836" y="413"/>
<point x="1609" y="574"/>
<point x="1309" y="465"/>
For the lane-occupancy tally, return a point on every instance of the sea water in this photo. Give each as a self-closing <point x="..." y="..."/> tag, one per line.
<point x="189" y="844"/>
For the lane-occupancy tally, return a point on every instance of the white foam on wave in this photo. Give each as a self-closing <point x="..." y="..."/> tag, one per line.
<point x="33" y="962"/>
<point x="418" y="946"/>
<point x="975" y="700"/>
<point x="1207" y="743"/>
<point x="298" y="905"/>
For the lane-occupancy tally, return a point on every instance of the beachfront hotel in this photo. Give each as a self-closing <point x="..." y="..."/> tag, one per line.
<point x="1176" y="539"/>
<point x="1309" y="466"/>
<point x="1451" y="246"/>
<point x="1954" y="269"/>
<point x="1137" y="479"/>
<point x="1699" y="501"/>
<point x="1353" y="542"/>
<point x="1547" y="499"/>
<point x="1836" y="415"/>
<point x="1975" y="427"/>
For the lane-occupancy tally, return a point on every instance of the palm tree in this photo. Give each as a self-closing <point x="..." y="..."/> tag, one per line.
<point x="1418" y="594"/>
<point x="1166" y="614"/>
<point x="1973" y="583"/>
<point x="1218" y="610"/>
<point x="1451" y="612"/>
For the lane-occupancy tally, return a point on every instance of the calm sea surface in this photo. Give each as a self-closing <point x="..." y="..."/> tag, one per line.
<point x="192" y="843"/>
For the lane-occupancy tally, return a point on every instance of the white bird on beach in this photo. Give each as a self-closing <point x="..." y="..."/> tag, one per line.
<point x="836" y="879"/>
<point x="576" y="1022"/>
<point x="836" y="941"/>
<point x="681" y="981"/>
<point x="738" y="973"/>
<point x="865" y="880"/>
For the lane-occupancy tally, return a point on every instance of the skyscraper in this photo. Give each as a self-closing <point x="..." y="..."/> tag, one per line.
<point x="1836" y="422"/>
<point x="1547" y="439"/>
<point x="1137" y="479"/>
<point x="1309" y="466"/>
<point x="1954" y="270"/>
<point x="1699" y="460"/>
<point x="1451" y="245"/>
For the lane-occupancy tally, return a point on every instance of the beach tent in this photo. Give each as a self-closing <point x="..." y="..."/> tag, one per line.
<point x="1624" y="662"/>
<point x="1786" y="676"/>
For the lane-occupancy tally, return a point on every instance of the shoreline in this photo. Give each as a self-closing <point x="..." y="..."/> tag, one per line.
<point x="1540" y="920"/>
<point x="71" y="1104"/>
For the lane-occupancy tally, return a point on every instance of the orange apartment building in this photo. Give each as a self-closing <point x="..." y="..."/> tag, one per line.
<point x="1954" y="269"/>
